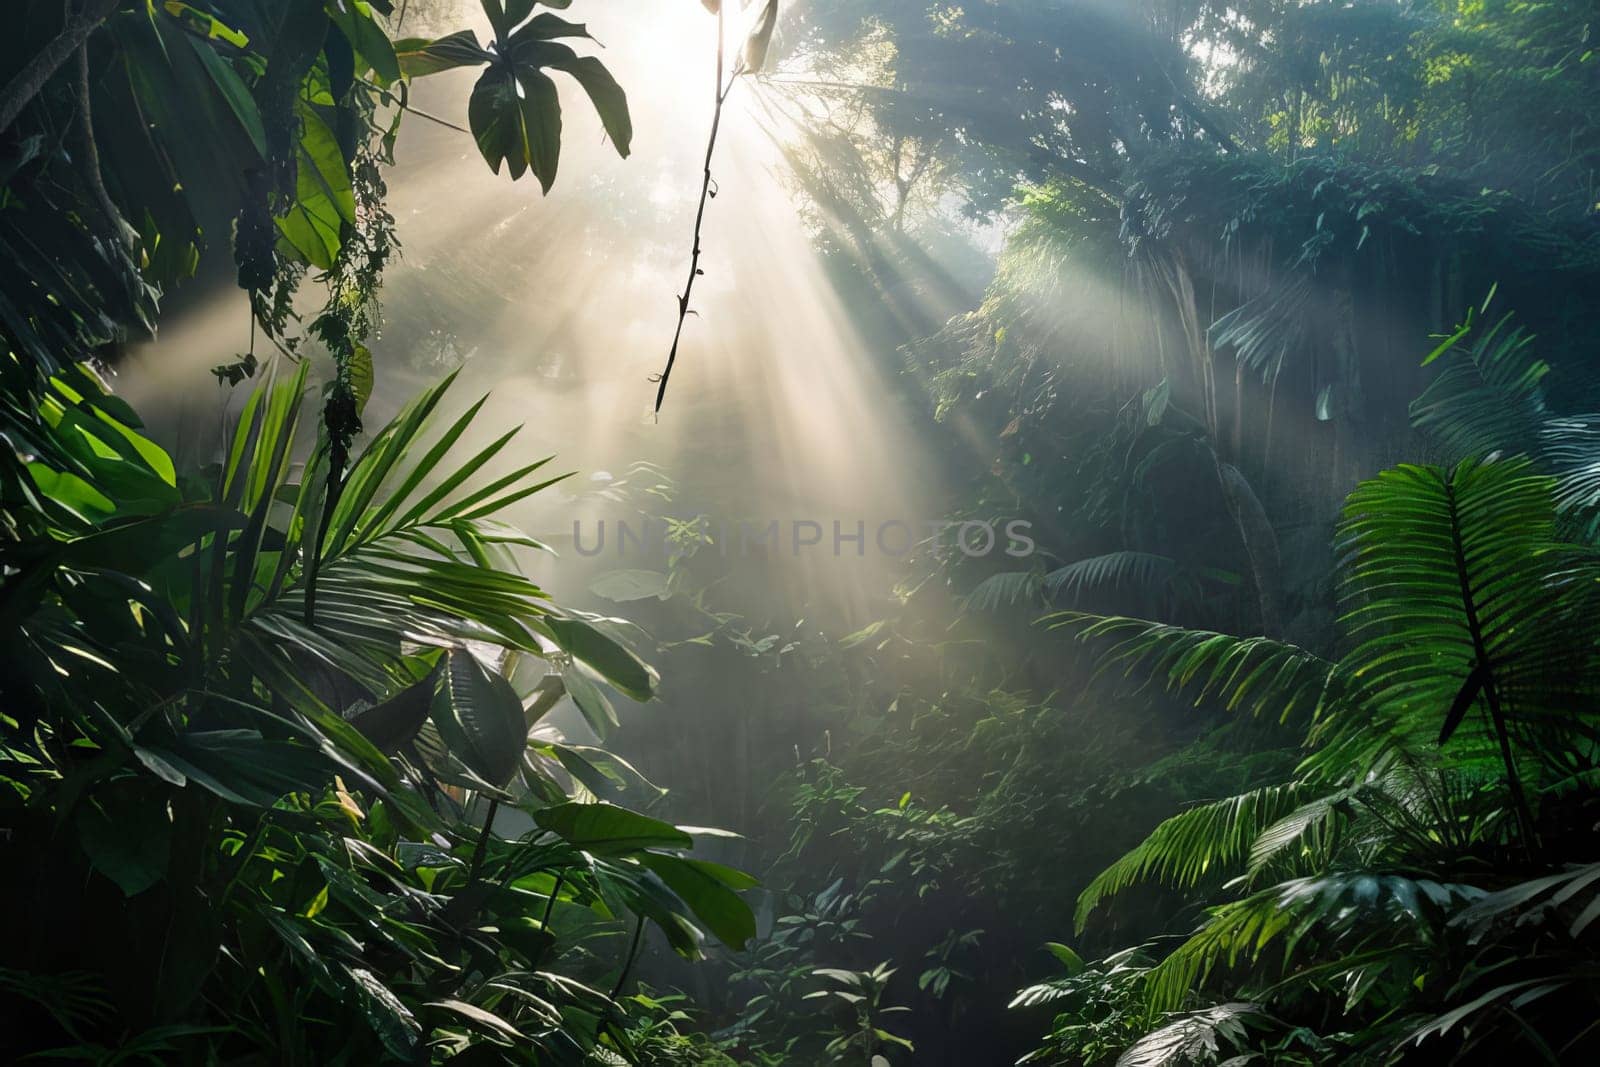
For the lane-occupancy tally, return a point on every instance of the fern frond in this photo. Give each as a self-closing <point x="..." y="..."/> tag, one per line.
<point x="1194" y="1037"/>
<point x="1192" y="844"/>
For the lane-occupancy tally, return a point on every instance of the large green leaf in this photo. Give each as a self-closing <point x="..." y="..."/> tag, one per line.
<point x="480" y="718"/>
<point x="127" y="834"/>
<point x="516" y="120"/>
<point x="605" y="829"/>
<point x="609" y="658"/>
<point x="354" y="19"/>
<point x="108" y="421"/>
<point x="590" y="698"/>
<point x="603" y="773"/>
<point x="709" y="890"/>
<point x="134" y="547"/>
<point x="235" y="92"/>
<point x="388" y="1016"/>
<point x="66" y="490"/>
<point x="419" y="56"/>
<point x="324" y="200"/>
<point x="392" y="723"/>
<point x="610" y="102"/>
<point x="545" y="27"/>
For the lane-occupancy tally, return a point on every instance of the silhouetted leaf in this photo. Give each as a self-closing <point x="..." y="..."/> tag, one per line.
<point x="760" y="39"/>
<point x="480" y="718"/>
<point x="395" y="721"/>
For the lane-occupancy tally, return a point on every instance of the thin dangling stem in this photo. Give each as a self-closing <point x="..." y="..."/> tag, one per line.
<point x="633" y="954"/>
<point x="706" y="194"/>
<point x="483" y="842"/>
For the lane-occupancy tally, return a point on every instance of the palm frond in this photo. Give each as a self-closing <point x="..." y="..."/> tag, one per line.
<point x="1571" y="898"/>
<point x="1451" y="596"/>
<point x="1570" y="446"/>
<point x="1490" y="399"/>
<point x="1510" y="997"/>
<point x="411" y="557"/>
<point x="1112" y="570"/>
<point x="1346" y="913"/>
<point x="1138" y="570"/>
<point x="1298" y="829"/>
<point x="1056" y="989"/>
<point x="1253" y="674"/>
<point x="1264" y="330"/>
<point x="1006" y="589"/>
<point x="1204" y="840"/>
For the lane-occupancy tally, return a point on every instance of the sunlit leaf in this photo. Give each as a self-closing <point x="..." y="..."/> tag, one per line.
<point x="419" y="56"/>
<point x="760" y="39"/>
<point x="606" y="829"/>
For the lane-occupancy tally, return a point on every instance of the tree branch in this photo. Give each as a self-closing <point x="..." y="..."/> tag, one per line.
<point x="91" y="155"/>
<point x="26" y="84"/>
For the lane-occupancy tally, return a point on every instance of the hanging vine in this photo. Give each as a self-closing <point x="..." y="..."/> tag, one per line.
<point x="750" y="61"/>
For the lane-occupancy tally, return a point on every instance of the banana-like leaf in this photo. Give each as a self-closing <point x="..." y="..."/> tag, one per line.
<point x="759" y="42"/>
<point x="393" y="723"/>
<point x="419" y="56"/>
<point x="605" y="829"/>
<point x="710" y="892"/>
<point x="480" y="717"/>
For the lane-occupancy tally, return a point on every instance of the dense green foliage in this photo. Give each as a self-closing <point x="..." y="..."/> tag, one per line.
<point x="1282" y="747"/>
<point x="210" y="770"/>
<point x="274" y="781"/>
<point x="1219" y="339"/>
